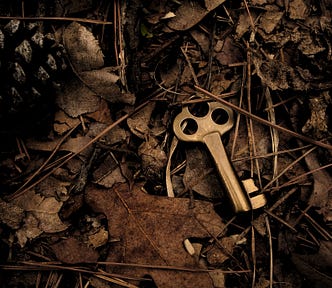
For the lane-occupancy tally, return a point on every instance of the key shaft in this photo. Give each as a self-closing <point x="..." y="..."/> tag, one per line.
<point x="237" y="196"/>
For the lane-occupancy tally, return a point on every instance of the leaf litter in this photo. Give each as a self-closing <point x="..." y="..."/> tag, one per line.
<point x="105" y="208"/>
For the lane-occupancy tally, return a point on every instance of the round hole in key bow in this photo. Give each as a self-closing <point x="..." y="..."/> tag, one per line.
<point x="189" y="126"/>
<point x="200" y="109"/>
<point x="220" y="116"/>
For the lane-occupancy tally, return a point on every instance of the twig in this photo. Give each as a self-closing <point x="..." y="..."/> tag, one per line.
<point x="253" y="252"/>
<point x="268" y="228"/>
<point x="30" y="266"/>
<point x="174" y="268"/>
<point x="280" y="220"/>
<point x="56" y="148"/>
<point x="287" y="168"/>
<point x="189" y="65"/>
<point x="83" y="20"/>
<point x="297" y="178"/>
<point x="265" y="122"/>
<point x="325" y="234"/>
<point x="272" y="154"/>
<point x="282" y="199"/>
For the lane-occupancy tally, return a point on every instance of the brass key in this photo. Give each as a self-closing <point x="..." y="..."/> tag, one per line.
<point x="208" y="127"/>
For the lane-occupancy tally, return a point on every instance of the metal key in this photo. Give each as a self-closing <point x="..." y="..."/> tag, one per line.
<point x="208" y="127"/>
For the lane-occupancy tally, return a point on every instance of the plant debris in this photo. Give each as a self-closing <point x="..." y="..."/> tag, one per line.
<point x="101" y="192"/>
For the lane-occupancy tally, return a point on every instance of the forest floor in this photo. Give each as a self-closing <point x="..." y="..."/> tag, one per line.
<point x="114" y="189"/>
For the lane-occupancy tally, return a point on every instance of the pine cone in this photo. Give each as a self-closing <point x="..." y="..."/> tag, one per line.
<point x="31" y="63"/>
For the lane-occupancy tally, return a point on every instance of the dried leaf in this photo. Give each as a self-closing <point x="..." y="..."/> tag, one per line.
<point x="73" y="251"/>
<point x="199" y="174"/>
<point x="108" y="173"/>
<point x="191" y="12"/>
<point x="41" y="216"/>
<point x="154" y="159"/>
<point x="230" y="52"/>
<point x="298" y="9"/>
<point x="11" y="214"/>
<point x="317" y="124"/>
<point x="77" y="99"/>
<point x="138" y="123"/>
<point x="83" y="49"/>
<point x="63" y="123"/>
<point x="103" y="83"/>
<point x="116" y="135"/>
<point x="316" y="267"/>
<point x="279" y="76"/>
<point x="269" y="20"/>
<point x="152" y="229"/>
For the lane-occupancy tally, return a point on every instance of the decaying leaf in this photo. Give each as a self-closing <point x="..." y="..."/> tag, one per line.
<point x="11" y="214"/>
<point x="41" y="216"/>
<point x="191" y="12"/>
<point x="103" y="83"/>
<point x="199" y="174"/>
<point x="138" y="123"/>
<point x="317" y="124"/>
<point x="316" y="267"/>
<point x="270" y="20"/>
<point x="322" y="191"/>
<point x="152" y="229"/>
<point x="298" y="9"/>
<point x="217" y="255"/>
<point x="77" y="99"/>
<point x="154" y="159"/>
<point x="83" y="49"/>
<point x="229" y="53"/>
<point x="63" y="123"/>
<point x="73" y="251"/>
<point x="279" y="76"/>
<point x="108" y="173"/>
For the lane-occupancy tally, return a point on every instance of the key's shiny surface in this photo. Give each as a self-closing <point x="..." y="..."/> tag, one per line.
<point x="208" y="127"/>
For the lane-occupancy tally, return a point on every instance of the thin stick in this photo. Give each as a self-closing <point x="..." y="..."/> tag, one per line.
<point x="282" y="199"/>
<point x="164" y="267"/>
<point x="253" y="252"/>
<point x="287" y="168"/>
<point x="83" y="20"/>
<point x="268" y="228"/>
<point x="263" y="121"/>
<point x="280" y="220"/>
<point x="56" y="148"/>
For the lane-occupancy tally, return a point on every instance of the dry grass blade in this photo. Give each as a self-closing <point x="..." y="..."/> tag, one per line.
<point x="273" y="131"/>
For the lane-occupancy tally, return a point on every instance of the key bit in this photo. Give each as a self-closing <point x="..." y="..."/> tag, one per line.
<point x="208" y="127"/>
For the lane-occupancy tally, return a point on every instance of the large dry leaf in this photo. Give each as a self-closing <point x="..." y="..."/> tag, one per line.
<point x="41" y="216"/>
<point x="77" y="99"/>
<point x="103" y="83"/>
<point x="151" y="230"/>
<point x="73" y="251"/>
<point x="191" y="12"/>
<point x="82" y="47"/>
